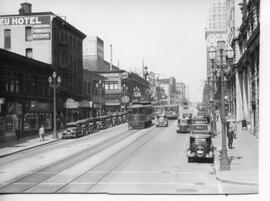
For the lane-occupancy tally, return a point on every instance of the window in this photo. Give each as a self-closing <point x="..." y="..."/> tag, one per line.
<point x="12" y="87"/>
<point x="115" y="86"/>
<point x="29" y="52"/>
<point x="106" y="86"/>
<point x="7" y="39"/>
<point x="28" y="34"/>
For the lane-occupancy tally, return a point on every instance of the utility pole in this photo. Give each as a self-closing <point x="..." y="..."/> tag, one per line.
<point x="111" y="57"/>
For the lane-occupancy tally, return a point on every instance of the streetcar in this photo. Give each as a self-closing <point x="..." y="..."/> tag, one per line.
<point x="140" y="115"/>
<point x="171" y="111"/>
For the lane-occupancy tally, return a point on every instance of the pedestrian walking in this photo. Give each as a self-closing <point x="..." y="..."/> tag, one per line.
<point x="230" y="135"/>
<point x="42" y="133"/>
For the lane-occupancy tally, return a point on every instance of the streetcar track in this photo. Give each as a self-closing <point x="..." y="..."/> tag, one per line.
<point x="129" y="146"/>
<point x="69" y="161"/>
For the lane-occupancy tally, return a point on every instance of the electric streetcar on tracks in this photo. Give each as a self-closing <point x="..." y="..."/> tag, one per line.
<point x="140" y="115"/>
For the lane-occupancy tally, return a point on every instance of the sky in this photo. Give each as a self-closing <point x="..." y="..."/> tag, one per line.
<point x="167" y="34"/>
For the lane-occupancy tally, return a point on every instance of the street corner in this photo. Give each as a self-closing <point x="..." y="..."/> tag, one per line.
<point x="240" y="177"/>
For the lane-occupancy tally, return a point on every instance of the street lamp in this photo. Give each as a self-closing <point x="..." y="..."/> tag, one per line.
<point x="124" y="89"/>
<point x="224" y="160"/>
<point x="54" y="82"/>
<point x="100" y="86"/>
<point x="212" y="55"/>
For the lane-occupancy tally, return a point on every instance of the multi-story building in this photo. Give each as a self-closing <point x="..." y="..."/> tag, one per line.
<point x="181" y="91"/>
<point x="216" y="26"/>
<point x="93" y="54"/>
<point x="25" y="96"/>
<point x="94" y="93"/>
<point x="116" y="86"/>
<point x="247" y="81"/>
<point x="169" y="86"/>
<point x="48" y="38"/>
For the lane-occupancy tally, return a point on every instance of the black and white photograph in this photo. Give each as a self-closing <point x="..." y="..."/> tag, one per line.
<point x="130" y="97"/>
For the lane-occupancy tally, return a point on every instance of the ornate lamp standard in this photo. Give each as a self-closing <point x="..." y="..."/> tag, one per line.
<point x="124" y="89"/>
<point x="224" y="160"/>
<point x="212" y="56"/>
<point x="100" y="86"/>
<point x="54" y="82"/>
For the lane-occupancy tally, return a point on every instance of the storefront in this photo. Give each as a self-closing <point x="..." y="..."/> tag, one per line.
<point x="39" y="113"/>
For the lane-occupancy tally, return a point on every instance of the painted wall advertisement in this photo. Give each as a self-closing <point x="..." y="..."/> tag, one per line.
<point x="41" y="25"/>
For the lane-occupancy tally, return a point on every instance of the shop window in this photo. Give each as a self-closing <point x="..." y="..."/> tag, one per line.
<point x="28" y="34"/>
<point x="29" y="52"/>
<point x="7" y="39"/>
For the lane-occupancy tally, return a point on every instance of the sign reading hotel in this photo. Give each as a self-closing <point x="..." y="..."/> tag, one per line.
<point x="40" y="25"/>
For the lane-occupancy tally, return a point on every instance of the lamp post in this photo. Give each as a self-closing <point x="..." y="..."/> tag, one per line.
<point x="224" y="160"/>
<point x="124" y="89"/>
<point x="54" y="82"/>
<point x="212" y="55"/>
<point x="100" y="86"/>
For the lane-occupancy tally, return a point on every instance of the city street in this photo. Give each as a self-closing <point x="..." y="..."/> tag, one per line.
<point x="117" y="161"/>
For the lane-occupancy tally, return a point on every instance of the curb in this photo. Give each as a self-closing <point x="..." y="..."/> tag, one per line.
<point x="5" y="155"/>
<point x="230" y="181"/>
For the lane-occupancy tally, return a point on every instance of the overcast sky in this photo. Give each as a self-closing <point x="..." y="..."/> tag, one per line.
<point x="168" y="35"/>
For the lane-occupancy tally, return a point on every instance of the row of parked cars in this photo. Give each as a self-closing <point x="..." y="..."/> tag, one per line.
<point x="87" y="126"/>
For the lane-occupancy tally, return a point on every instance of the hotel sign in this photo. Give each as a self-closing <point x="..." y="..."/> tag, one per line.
<point x="41" y="25"/>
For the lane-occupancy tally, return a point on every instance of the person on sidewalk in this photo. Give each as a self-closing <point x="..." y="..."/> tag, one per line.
<point x="230" y="135"/>
<point x="42" y="133"/>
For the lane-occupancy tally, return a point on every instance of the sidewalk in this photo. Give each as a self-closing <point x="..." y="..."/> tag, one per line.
<point x="243" y="158"/>
<point x="14" y="146"/>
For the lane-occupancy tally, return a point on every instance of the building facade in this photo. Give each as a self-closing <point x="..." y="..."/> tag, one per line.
<point x="48" y="38"/>
<point x="247" y="45"/>
<point x="26" y="99"/>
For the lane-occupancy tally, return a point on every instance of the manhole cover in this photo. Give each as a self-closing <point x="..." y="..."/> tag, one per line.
<point x="166" y="172"/>
<point x="199" y="183"/>
<point x="186" y="190"/>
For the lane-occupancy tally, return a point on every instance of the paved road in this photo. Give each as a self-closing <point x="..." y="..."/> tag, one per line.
<point x="117" y="160"/>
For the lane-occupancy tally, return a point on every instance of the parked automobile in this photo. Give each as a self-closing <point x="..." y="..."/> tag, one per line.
<point x="200" y="148"/>
<point x="73" y="130"/>
<point x="161" y="121"/>
<point x="182" y="126"/>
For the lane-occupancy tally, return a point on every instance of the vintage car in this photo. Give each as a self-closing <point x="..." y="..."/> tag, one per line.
<point x="200" y="148"/>
<point x="161" y="120"/>
<point x="199" y="120"/>
<point x="182" y="126"/>
<point x="73" y="130"/>
<point x="200" y="129"/>
<point x="185" y="115"/>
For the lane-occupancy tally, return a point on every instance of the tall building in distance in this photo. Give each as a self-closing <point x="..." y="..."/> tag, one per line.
<point x="216" y="26"/>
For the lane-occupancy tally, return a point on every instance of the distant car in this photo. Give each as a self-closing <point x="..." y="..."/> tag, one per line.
<point x="182" y="126"/>
<point x="200" y="148"/>
<point x="161" y="120"/>
<point x="73" y="130"/>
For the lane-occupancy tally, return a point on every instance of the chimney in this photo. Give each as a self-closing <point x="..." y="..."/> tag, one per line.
<point x="26" y="8"/>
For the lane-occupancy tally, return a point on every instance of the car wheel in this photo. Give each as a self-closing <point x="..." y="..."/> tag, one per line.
<point x="190" y="159"/>
<point x="211" y="160"/>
